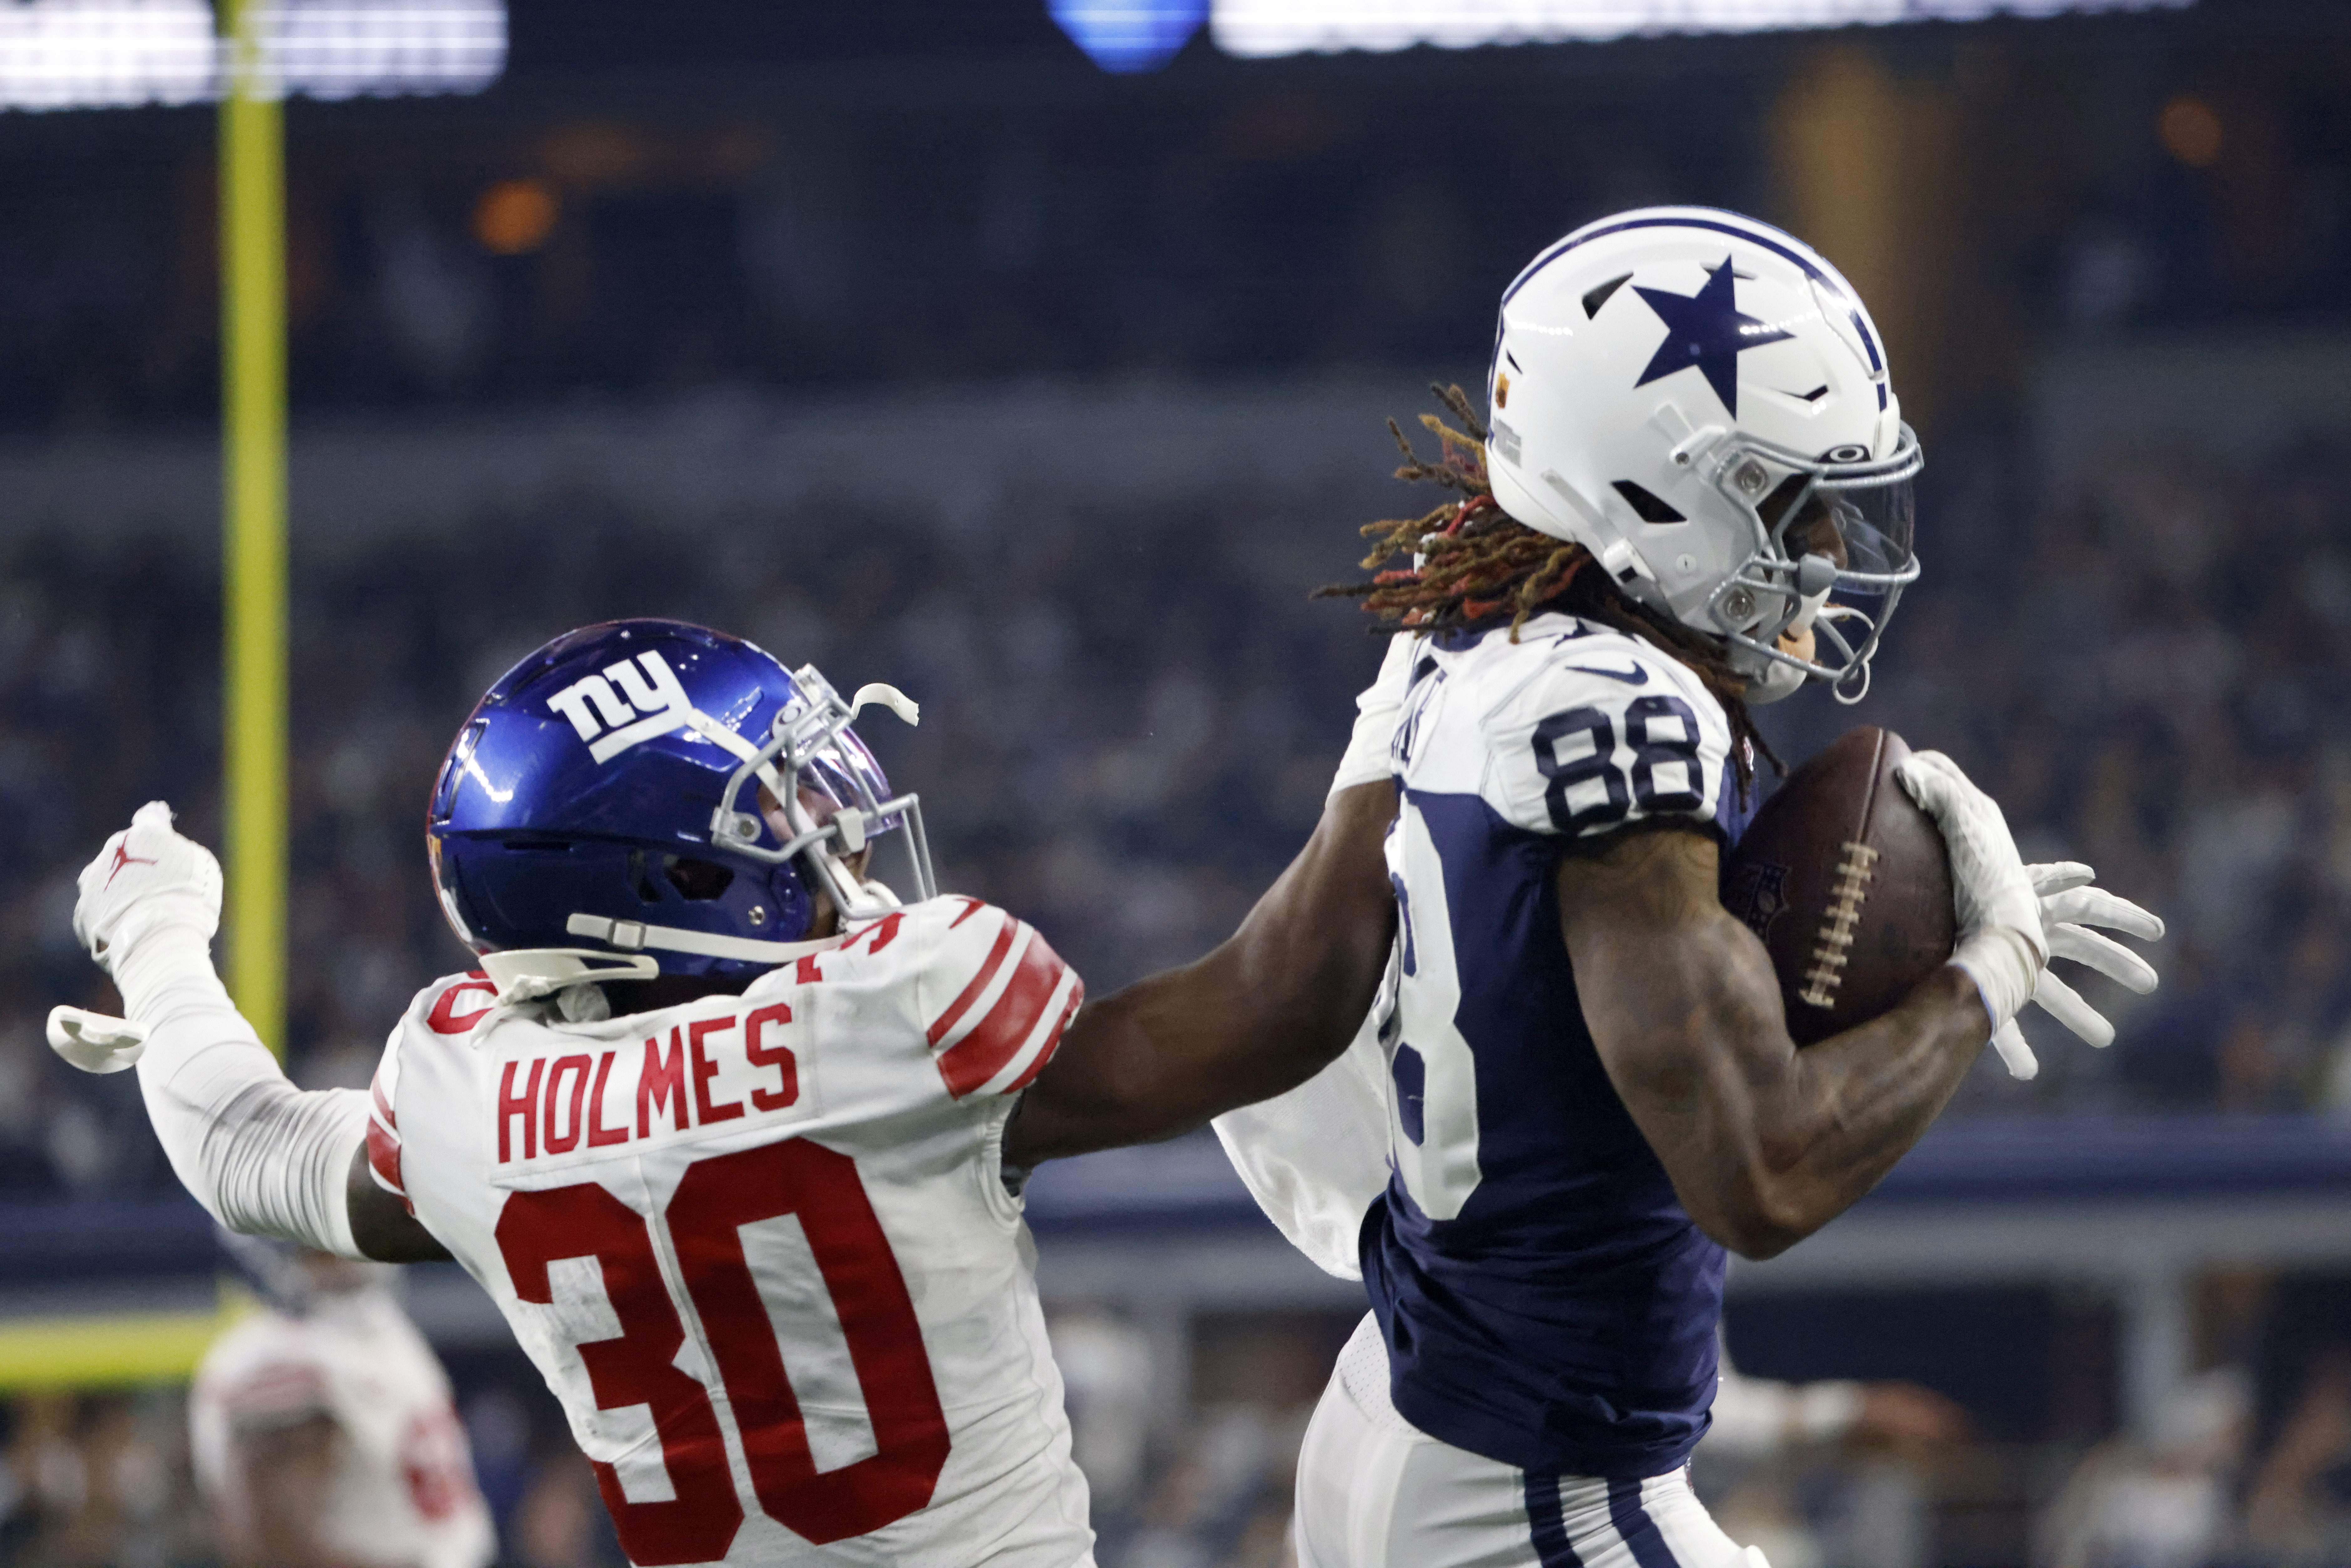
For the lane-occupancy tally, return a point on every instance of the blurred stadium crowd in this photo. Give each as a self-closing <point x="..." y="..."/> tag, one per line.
<point x="1131" y="707"/>
<point x="1130" y="718"/>
<point x="1132" y="713"/>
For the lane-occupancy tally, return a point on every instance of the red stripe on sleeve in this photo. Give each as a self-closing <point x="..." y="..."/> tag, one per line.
<point x="382" y="1104"/>
<point x="979" y="982"/>
<point x="1052" y="1041"/>
<point x="998" y="1038"/>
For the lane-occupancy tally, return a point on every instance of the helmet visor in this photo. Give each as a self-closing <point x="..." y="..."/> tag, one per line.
<point x="830" y="759"/>
<point x="844" y="771"/>
<point x="1863" y="526"/>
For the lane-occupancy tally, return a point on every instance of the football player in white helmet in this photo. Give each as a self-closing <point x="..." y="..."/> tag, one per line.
<point x="1576" y="1089"/>
<point x="1757" y="465"/>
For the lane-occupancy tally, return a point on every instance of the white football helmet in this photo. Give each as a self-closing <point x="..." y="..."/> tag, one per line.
<point x="1702" y="402"/>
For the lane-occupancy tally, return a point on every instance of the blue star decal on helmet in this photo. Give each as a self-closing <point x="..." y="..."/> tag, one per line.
<point x="1705" y="332"/>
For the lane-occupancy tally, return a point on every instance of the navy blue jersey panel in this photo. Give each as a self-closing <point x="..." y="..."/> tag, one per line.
<point x="1564" y="1321"/>
<point x="1736" y="808"/>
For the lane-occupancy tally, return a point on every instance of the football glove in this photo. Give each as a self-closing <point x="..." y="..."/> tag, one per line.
<point x="2003" y="946"/>
<point x="148" y="879"/>
<point x="2069" y="907"/>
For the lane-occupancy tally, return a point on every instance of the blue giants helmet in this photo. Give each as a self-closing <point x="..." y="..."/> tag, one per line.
<point x="603" y="806"/>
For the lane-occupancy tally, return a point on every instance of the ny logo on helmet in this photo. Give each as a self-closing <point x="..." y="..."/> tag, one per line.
<point x="651" y="702"/>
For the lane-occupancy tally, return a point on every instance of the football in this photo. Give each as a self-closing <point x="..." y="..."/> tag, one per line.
<point x="1846" y="882"/>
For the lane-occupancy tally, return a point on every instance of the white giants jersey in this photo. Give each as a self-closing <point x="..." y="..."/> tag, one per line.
<point x="402" y="1494"/>
<point x="760" y="1247"/>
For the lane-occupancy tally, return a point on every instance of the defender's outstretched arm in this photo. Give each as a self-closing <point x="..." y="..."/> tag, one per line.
<point x="261" y="1155"/>
<point x="1262" y="1013"/>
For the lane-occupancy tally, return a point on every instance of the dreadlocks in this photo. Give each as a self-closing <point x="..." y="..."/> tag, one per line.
<point x="1467" y="561"/>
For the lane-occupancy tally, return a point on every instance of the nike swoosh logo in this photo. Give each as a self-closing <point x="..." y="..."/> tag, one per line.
<point x="1636" y="676"/>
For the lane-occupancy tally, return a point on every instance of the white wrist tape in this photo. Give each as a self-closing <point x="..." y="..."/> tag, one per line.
<point x="2004" y="964"/>
<point x="264" y="1158"/>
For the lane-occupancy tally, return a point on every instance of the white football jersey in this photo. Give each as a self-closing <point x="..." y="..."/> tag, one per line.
<point x="759" y="1245"/>
<point x="403" y="1491"/>
<point x="1576" y="728"/>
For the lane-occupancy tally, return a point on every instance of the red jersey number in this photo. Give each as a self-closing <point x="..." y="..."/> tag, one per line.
<point x="714" y="1200"/>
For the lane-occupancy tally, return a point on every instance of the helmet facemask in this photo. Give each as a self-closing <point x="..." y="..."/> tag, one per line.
<point x="811" y="747"/>
<point x="1823" y="528"/>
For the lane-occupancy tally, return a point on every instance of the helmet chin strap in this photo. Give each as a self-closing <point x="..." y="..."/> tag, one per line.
<point x="527" y="973"/>
<point x="634" y="936"/>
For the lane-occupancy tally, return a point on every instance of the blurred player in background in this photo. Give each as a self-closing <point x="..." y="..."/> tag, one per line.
<point x="1577" y="1088"/>
<point x="322" y="1430"/>
<point x="715" y="1124"/>
<point x="1762" y="1427"/>
<point x="1757" y="1417"/>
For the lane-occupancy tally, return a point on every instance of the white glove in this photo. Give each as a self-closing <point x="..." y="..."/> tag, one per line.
<point x="149" y="892"/>
<point x="262" y="1157"/>
<point x="2069" y="907"/>
<point x="2002" y="946"/>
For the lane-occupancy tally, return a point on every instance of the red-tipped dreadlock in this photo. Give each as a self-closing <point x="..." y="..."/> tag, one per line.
<point x="1469" y="561"/>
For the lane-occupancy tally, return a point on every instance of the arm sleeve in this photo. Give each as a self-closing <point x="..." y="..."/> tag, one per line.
<point x="995" y="999"/>
<point x="264" y="1158"/>
<point x="1366" y="761"/>
<point x="1611" y="733"/>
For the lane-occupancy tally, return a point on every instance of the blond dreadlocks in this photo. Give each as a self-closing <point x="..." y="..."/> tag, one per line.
<point x="1467" y="561"/>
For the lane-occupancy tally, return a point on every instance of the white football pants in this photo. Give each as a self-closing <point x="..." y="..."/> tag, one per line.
<point x="1374" y="1491"/>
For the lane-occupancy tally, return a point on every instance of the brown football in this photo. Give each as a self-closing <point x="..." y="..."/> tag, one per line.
<point x="1846" y="882"/>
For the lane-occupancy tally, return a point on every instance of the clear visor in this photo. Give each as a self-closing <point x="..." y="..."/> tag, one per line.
<point x="831" y="759"/>
<point x="1862" y="525"/>
<point x="811" y="749"/>
<point x="1832" y="532"/>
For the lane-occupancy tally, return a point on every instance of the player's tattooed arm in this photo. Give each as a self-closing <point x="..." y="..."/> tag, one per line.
<point x="381" y="1224"/>
<point x="1264" y="1012"/>
<point x="1765" y="1143"/>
